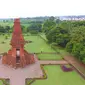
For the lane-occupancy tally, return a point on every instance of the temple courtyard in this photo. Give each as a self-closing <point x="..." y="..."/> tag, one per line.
<point x="55" y="75"/>
<point x="18" y="76"/>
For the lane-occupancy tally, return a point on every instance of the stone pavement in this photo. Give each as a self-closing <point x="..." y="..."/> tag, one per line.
<point x="53" y="62"/>
<point x="18" y="76"/>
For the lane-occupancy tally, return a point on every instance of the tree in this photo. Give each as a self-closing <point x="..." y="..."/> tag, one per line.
<point x="58" y="35"/>
<point x="76" y="45"/>
<point x="6" y="37"/>
<point x="51" y="35"/>
<point x="69" y="34"/>
<point x="35" y="27"/>
<point x="7" y="28"/>
<point x="83" y="60"/>
<point x="77" y="48"/>
<point x="77" y="34"/>
<point x="78" y="23"/>
<point x="82" y="55"/>
<point x="69" y="46"/>
<point x="49" y="24"/>
<point x="2" y="29"/>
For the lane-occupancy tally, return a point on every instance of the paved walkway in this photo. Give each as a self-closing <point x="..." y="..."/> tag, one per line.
<point x="76" y="63"/>
<point x="18" y="76"/>
<point x="52" y="62"/>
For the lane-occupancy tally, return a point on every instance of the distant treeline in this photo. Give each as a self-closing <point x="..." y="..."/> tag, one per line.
<point x="5" y="29"/>
<point x="30" y="26"/>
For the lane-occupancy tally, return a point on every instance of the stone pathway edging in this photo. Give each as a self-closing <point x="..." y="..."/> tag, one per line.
<point x="52" y="62"/>
<point x="79" y="71"/>
<point x="72" y="61"/>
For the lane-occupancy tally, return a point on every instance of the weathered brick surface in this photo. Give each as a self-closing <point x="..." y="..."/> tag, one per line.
<point x="17" y="42"/>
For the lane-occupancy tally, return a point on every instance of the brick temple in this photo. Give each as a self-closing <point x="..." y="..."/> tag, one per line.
<point x="17" y="56"/>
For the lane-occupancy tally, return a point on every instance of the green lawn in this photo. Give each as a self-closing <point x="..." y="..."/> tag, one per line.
<point x="37" y="45"/>
<point x="11" y="24"/>
<point x="6" y="23"/>
<point x="49" y="56"/>
<point x="26" y="25"/>
<point x="4" y="47"/>
<point x="1" y="83"/>
<point x="43" y="36"/>
<point x="59" y="49"/>
<point x="57" y="77"/>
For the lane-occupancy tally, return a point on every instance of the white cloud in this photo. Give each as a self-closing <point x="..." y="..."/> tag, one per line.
<point x="26" y="8"/>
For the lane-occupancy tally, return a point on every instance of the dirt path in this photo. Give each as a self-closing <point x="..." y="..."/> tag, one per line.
<point x="76" y="63"/>
<point x="52" y="62"/>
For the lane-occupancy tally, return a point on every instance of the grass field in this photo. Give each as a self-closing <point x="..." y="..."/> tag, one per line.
<point x="4" y="47"/>
<point x="43" y="36"/>
<point x="1" y="83"/>
<point x="11" y="24"/>
<point x="6" y="23"/>
<point x="59" y="49"/>
<point x="49" y="56"/>
<point x="57" y="77"/>
<point x="37" y="45"/>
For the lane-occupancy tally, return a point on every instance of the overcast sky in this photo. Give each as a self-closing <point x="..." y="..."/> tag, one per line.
<point x="32" y="8"/>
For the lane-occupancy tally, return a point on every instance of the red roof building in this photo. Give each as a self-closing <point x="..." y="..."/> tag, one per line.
<point x="17" y="56"/>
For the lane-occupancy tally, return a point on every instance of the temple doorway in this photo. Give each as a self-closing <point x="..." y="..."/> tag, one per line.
<point x="17" y="55"/>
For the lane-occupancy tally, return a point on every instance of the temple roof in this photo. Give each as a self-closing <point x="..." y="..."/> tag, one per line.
<point x="17" y="27"/>
<point x="17" y="37"/>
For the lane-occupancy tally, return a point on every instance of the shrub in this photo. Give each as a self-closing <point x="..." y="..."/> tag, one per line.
<point x="6" y="37"/>
<point x="3" y="42"/>
<point x="66" y="69"/>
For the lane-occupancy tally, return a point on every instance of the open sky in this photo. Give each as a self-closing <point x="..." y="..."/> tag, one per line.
<point x="32" y="8"/>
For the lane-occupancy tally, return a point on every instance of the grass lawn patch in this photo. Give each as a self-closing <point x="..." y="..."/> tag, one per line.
<point x="1" y="83"/>
<point x="43" y="36"/>
<point x="49" y="56"/>
<point x="57" y="77"/>
<point x="37" y="45"/>
<point x="4" y="47"/>
<point x="6" y="23"/>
